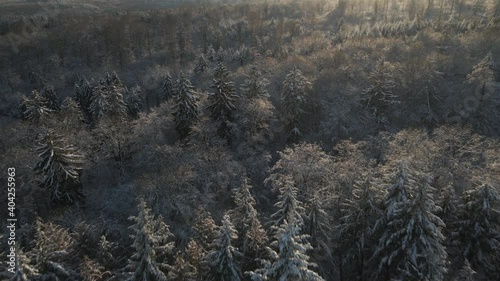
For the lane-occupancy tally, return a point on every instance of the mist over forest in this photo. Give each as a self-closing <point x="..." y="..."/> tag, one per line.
<point x="201" y="140"/>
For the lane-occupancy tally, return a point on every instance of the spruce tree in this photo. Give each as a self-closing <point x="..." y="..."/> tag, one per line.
<point x="466" y="273"/>
<point x="168" y="88"/>
<point x="152" y="247"/>
<point x="224" y="258"/>
<point x="61" y="167"/>
<point x="201" y="65"/>
<point x="482" y="100"/>
<point x="83" y="96"/>
<point x="355" y="233"/>
<point x="294" y="99"/>
<point x="222" y="100"/>
<point x="288" y="257"/>
<point x="182" y="270"/>
<point x="108" y="99"/>
<point x="255" y="85"/>
<point x="35" y="109"/>
<point x="379" y="96"/>
<point x="480" y="229"/>
<point x="25" y="271"/>
<point x="290" y="209"/>
<point x="246" y="221"/>
<point x="411" y="247"/>
<point x="186" y="106"/>
<point x="134" y="99"/>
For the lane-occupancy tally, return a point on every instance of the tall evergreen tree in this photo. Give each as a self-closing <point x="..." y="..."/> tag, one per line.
<point x="380" y="94"/>
<point x="36" y="108"/>
<point x="482" y="100"/>
<point x="411" y="247"/>
<point x="224" y="258"/>
<point x="290" y="209"/>
<point x="222" y="100"/>
<point x="246" y="221"/>
<point x="294" y="99"/>
<point x="355" y="233"/>
<point x="255" y="85"/>
<point x="168" y="88"/>
<point x="480" y="229"/>
<point x="182" y="270"/>
<point x="466" y="273"/>
<point x="108" y="99"/>
<point x="83" y="96"/>
<point x="186" y="106"/>
<point x="134" y="99"/>
<point x="201" y="65"/>
<point x="152" y="247"/>
<point x="61" y="167"/>
<point x="290" y="260"/>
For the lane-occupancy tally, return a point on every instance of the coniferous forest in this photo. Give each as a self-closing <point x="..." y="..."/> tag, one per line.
<point x="267" y="140"/>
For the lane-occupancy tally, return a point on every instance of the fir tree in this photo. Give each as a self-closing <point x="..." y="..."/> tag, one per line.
<point x="255" y="85"/>
<point x="182" y="270"/>
<point x="289" y="261"/>
<point x="289" y="207"/>
<point x="222" y="100"/>
<point x="108" y="100"/>
<point x="482" y="100"/>
<point x="294" y="100"/>
<point x="201" y="65"/>
<point x="35" y="108"/>
<point x="50" y="250"/>
<point x="466" y="273"/>
<point x="61" y="167"/>
<point x="246" y="221"/>
<point x="25" y="271"/>
<point x="355" y="233"/>
<point x="168" y="88"/>
<point x="379" y="95"/>
<point x="134" y="99"/>
<point x="152" y="247"/>
<point x="83" y="96"/>
<point x="223" y="259"/>
<point x="479" y="228"/>
<point x="411" y="247"/>
<point x="186" y="106"/>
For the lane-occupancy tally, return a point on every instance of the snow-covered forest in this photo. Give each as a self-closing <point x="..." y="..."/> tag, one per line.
<point x="199" y="140"/>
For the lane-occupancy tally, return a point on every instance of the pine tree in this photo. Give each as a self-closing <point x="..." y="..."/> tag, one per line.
<point x="482" y="100"/>
<point x="480" y="228"/>
<point x="61" y="167"/>
<point x="290" y="260"/>
<point x="466" y="273"/>
<point x="222" y="100"/>
<point x="255" y="85"/>
<point x="246" y="220"/>
<point x="182" y="270"/>
<point x="50" y="251"/>
<point x="289" y="207"/>
<point x="223" y="259"/>
<point x="152" y="247"/>
<point x="201" y="65"/>
<point x="394" y="201"/>
<point x="379" y="95"/>
<point x="355" y="233"/>
<point x="186" y="106"/>
<point x="83" y="96"/>
<point x="108" y="99"/>
<point x="134" y="99"/>
<point x="35" y="108"/>
<point x="24" y="269"/>
<point x="294" y="99"/>
<point x="51" y="96"/>
<point x="168" y="88"/>
<point x="411" y="247"/>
